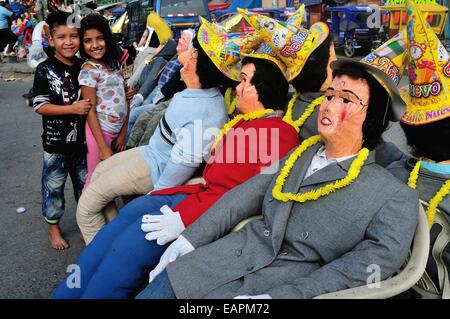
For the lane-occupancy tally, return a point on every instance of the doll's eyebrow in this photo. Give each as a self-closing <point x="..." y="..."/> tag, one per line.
<point x="345" y="90"/>
<point x="243" y="75"/>
<point x="350" y="91"/>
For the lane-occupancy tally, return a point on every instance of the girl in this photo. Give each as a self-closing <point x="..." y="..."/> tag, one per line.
<point x="101" y="81"/>
<point x="173" y="153"/>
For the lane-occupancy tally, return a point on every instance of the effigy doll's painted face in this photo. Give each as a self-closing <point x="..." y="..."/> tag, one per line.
<point x="188" y="59"/>
<point x="343" y="111"/>
<point x="184" y="42"/>
<point x="248" y="98"/>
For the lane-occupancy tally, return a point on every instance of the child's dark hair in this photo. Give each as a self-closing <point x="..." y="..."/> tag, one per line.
<point x="96" y="21"/>
<point x="429" y="140"/>
<point x="271" y="85"/>
<point x="56" y="19"/>
<point x="209" y="75"/>
<point x="314" y="72"/>
<point x="376" y="118"/>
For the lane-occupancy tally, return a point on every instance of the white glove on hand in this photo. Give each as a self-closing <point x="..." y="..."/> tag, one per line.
<point x="137" y="100"/>
<point x="158" y="97"/>
<point x="164" y="228"/>
<point x="178" y="248"/>
<point x="265" y="296"/>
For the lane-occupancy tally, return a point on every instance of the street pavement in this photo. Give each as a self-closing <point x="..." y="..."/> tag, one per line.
<point x="29" y="267"/>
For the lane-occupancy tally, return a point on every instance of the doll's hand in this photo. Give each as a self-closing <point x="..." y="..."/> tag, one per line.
<point x="163" y="228"/>
<point x="178" y="248"/>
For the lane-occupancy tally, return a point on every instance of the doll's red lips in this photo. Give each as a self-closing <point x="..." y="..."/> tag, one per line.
<point x="326" y="121"/>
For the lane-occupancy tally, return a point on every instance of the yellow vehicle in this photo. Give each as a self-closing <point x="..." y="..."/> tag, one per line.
<point x="395" y="15"/>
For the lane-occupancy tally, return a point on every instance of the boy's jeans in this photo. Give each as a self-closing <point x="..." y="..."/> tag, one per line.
<point x="55" y="168"/>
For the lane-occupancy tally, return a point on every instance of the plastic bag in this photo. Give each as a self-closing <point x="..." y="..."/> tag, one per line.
<point x="36" y="55"/>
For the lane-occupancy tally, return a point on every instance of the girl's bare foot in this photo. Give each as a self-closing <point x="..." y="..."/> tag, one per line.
<point x="56" y="239"/>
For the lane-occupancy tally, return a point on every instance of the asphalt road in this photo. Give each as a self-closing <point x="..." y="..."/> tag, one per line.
<point x="29" y="268"/>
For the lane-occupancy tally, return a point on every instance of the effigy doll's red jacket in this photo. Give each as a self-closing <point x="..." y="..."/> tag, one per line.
<point x="267" y="140"/>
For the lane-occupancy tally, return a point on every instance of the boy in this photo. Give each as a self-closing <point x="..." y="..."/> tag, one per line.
<point x="56" y="93"/>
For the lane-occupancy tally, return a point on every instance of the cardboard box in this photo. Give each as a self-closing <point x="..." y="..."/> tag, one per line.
<point x="273" y="3"/>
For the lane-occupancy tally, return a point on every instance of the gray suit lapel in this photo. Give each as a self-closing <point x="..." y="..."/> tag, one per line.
<point x="329" y="173"/>
<point x="293" y="185"/>
<point x="299" y="170"/>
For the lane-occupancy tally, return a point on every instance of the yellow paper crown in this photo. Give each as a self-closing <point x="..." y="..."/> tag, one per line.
<point x="291" y="44"/>
<point x="264" y="51"/>
<point x="232" y="23"/>
<point x="297" y="18"/>
<point x="429" y="72"/>
<point x="160" y="26"/>
<point x="225" y="49"/>
<point x="390" y="57"/>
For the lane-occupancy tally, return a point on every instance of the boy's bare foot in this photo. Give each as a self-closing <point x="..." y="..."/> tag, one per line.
<point x="56" y="239"/>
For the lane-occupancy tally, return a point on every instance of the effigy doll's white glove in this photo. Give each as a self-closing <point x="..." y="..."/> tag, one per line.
<point x="178" y="248"/>
<point x="136" y="101"/>
<point x="163" y="228"/>
<point x="158" y="97"/>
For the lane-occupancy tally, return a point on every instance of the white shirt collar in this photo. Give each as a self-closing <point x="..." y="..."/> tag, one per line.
<point x="320" y="161"/>
<point x="321" y="153"/>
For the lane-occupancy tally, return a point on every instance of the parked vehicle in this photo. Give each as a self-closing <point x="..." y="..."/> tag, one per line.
<point x="396" y="18"/>
<point x="251" y="5"/>
<point x="218" y="14"/>
<point x="350" y="30"/>
<point x="137" y="12"/>
<point x="182" y="14"/>
<point x="218" y="5"/>
<point x="179" y="15"/>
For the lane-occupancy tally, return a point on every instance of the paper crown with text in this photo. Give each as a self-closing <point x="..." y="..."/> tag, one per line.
<point x="289" y="44"/>
<point x="428" y="98"/>
<point x="225" y="49"/>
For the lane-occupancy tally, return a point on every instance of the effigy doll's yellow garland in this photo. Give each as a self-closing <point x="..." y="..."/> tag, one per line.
<point x="231" y="105"/>
<point x="436" y="200"/>
<point x="298" y="124"/>
<point x="237" y="119"/>
<point x="353" y="173"/>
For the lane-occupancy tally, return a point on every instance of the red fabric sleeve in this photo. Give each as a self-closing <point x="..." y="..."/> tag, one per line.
<point x="232" y="174"/>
